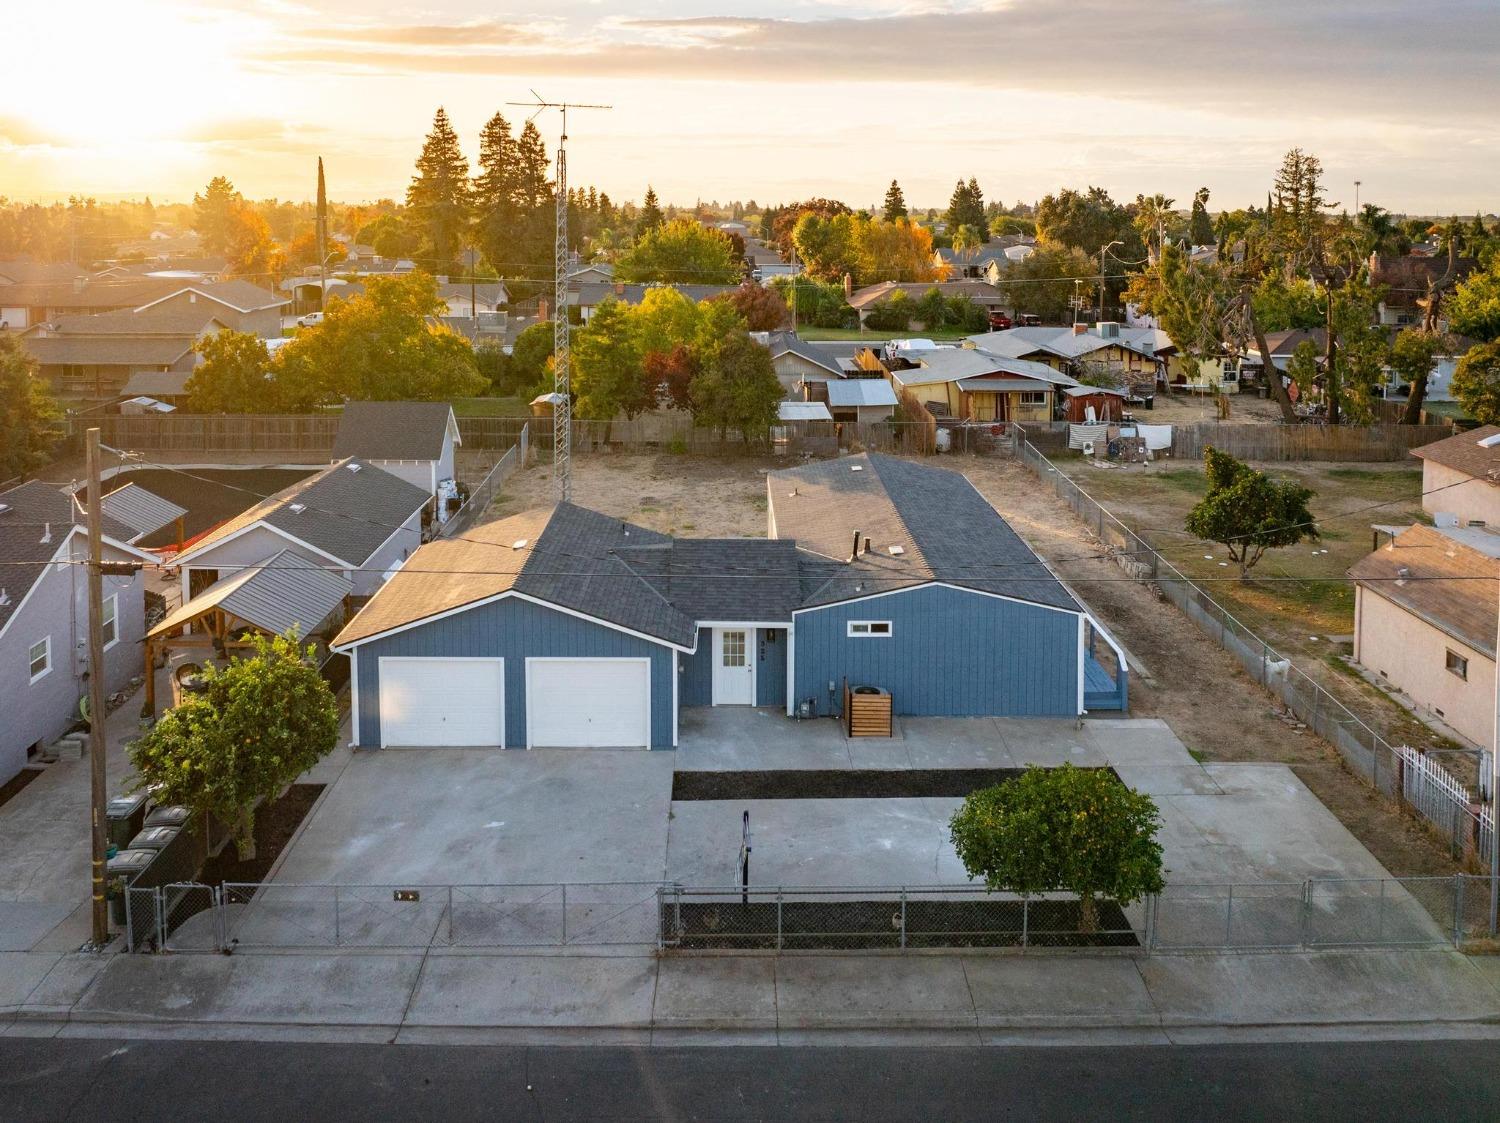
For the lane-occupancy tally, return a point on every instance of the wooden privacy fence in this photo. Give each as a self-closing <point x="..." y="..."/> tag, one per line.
<point x="1305" y="442"/>
<point x="311" y="433"/>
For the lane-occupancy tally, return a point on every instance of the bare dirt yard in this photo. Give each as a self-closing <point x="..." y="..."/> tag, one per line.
<point x="1192" y="683"/>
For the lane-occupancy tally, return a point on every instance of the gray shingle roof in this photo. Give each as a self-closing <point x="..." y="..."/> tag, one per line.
<point x="30" y="510"/>
<point x="393" y="430"/>
<point x="345" y="513"/>
<point x="109" y="350"/>
<point x="282" y="592"/>
<point x="568" y="556"/>
<point x="942" y="527"/>
<point x="732" y="579"/>
<point x="189" y="320"/>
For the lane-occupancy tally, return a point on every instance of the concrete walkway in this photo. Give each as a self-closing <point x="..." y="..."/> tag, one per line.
<point x="739" y="999"/>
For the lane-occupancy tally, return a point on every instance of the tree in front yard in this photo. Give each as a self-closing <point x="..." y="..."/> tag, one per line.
<point x="257" y="725"/>
<point x="1247" y="512"/>
<point x="736" y="388"/>
<point x="1476" y="383"/>
<point x="234" y="376"/>
<point x="1068" y="829"/>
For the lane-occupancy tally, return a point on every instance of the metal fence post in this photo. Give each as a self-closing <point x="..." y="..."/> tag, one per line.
<point x="779" y="929"/>
<point x="565" y="912"/>
<point x="336" y="939"/>
<point x="1307" y="893"/>
<point x="221" y="922"/>
<point x="903" y="918"/>
<point x="450" y="916"/>
<point x="1458" y="910"/>
<point x="1025" y="922"/>
<point x="159" y="910"/>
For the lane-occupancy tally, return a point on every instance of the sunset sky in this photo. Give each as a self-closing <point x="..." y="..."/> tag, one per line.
<point x="772" y="102"/>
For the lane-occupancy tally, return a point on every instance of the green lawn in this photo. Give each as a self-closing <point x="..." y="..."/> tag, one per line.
<point x="490" y="407"/>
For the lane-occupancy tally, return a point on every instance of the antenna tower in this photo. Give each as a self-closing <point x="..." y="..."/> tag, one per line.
<point x="562" y="401"/>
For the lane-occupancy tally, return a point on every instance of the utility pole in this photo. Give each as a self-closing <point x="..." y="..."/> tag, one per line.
<point x="562" y="401"/>
<point x="96" y="694"/>
<point x="1357" y="182"/>
<point x="1103" y="254"/>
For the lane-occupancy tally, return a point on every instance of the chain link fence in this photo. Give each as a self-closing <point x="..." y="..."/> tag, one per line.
<point x="484" y="492"/>
<point x="1405" y="912"/>
<point x="1384" y="766"/>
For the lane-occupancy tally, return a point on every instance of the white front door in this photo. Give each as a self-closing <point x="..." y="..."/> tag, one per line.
<point x="734" y="666"/>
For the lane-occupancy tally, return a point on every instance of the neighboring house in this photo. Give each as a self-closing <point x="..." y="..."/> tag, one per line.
<point x="238" y="304"/>
<point x="987" y="262"/>
<point x="595" y="272"/>
<point x="98" y="358"/>
<point x="987" y="296"/>
<point x="44" y="617"/>
<point x="1439" y="380"/>
<point x="414" y="441"/>
<point x="174" y="268"/>
<point x="1424" y="621"/>
<point x="463" y="301"/>
<point x="1404" y="283"/>
<point x="970" y="383"/>
<point x="563" y="627"/>
<point x="803" y="370"/>
<point x="351" y="518"/>
<point x="25" y="304"/>
<point x="17" y="272"/>
<point x="1461" y="477"/>
<point x="588" y="295"/>
<point x="1128" y="353"/>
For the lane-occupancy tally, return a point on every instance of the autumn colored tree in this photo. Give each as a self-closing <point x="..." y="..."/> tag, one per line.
<point x="672" y="373"/>
<point x="761" y="308"/>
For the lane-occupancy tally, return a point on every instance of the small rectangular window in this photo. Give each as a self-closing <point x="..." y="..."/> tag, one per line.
<point x="867" y="628"/>
<point x="111" y="625"/>
<point x="1458" y="665"/>
<point x="40" y="657"/>
<point x="1033" y="397"/>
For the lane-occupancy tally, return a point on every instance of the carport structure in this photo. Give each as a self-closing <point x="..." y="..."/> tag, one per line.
<point x="282" y="593"/>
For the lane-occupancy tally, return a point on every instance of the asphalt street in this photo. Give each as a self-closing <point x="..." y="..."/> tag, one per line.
<point x="83" y="1079"/>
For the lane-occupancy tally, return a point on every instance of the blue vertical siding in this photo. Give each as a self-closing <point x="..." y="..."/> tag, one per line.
<point x="770" y="670"/>
<point x="514" y="630"/>
<point x="695" y="684"/>
<point x="951" y="653"/>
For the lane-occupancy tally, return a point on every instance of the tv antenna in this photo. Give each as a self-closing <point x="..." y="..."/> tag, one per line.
<point x="562" y="401"/>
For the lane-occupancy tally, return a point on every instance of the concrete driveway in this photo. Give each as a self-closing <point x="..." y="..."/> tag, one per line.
<point x="487" y="817"/>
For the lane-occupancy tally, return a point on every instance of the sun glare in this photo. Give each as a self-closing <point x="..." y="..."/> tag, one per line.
<point x="105" y="72"/>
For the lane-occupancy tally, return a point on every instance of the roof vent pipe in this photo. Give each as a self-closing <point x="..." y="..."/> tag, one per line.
<point x="854" y="552"/>
<point x="867" y="546"/>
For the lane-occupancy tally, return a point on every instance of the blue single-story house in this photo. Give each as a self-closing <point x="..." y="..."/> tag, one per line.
<point x="563" y="627"/>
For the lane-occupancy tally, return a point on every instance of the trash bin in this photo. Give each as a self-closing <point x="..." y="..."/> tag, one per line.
<point x="121" y="870"/>
<point x="125" y="815"/>
<point x="168" y="816"/>
<point x="154" y="838"/>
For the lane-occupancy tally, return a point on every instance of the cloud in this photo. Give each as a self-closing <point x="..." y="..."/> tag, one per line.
<point x="1330" y="58"/>
<point x="20" y="133"/>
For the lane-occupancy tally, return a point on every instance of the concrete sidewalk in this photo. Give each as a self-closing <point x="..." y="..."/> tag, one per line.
<point x="740" y="999"/>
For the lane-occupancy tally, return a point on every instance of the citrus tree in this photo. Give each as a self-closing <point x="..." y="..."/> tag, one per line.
<point x="1068" y="829"/>
<point x="257" y="725"/>
<point x="1247" y="512"/>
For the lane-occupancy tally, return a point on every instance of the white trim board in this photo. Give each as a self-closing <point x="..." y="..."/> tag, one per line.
<point x="937" y="584"/>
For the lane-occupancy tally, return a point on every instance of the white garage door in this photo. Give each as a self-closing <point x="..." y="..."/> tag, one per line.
<point x="457" y="702"/>
<point x="588" y="703"/>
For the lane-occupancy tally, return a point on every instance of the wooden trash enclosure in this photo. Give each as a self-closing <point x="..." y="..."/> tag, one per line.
<point x="867" y="711"/>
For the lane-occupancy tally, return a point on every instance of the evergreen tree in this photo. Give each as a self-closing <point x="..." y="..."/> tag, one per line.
<point x="650" y="216"/>
<point x="1200" y="228"/>
<point x="966" y="206"/>
<point x="895" y="202"/>
<point x="438" y="195"/>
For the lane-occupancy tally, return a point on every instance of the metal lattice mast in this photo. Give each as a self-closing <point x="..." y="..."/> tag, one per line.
<point x="562" y="400"/>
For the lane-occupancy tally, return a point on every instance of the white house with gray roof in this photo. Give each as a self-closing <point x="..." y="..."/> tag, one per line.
<point x="44" y="617"/>
<point x="351" y="518"/>
<point x="412" y="440"/>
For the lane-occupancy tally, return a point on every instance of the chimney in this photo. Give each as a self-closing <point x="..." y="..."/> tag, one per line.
<point x="848" y="286"/>
<point x="854" y="553"/>
<point x="1080" y="329"/>
<point x="541" y="310"/>
<point x="867" y="546"/>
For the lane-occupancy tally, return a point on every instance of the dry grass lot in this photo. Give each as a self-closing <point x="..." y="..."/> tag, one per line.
<point x="1193" y="684"/>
